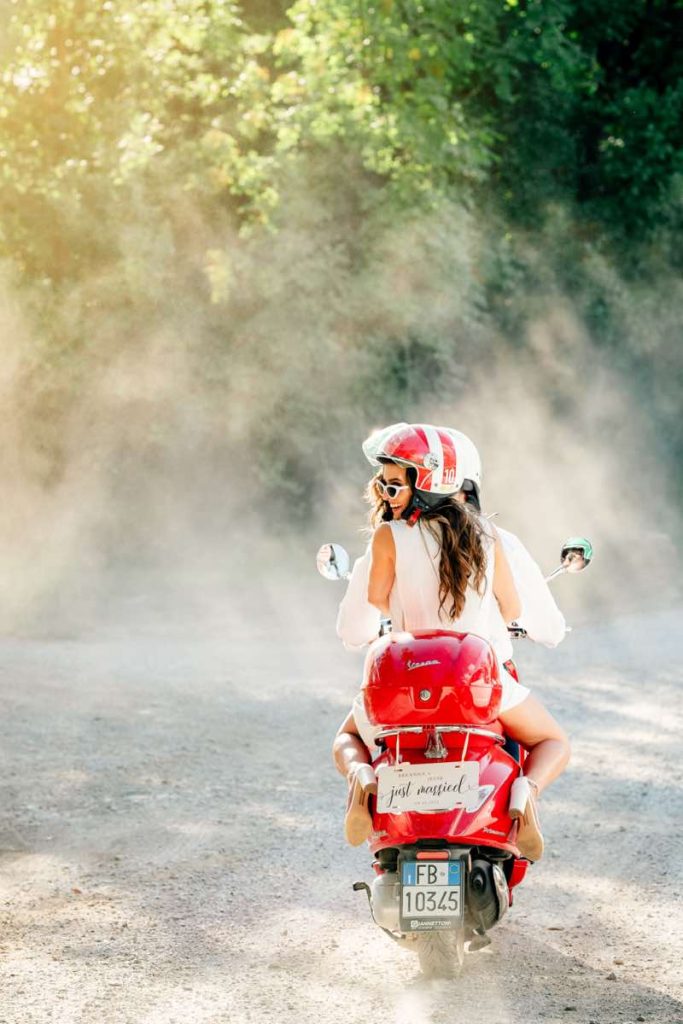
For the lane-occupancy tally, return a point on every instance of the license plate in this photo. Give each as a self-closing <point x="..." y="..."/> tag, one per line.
<point x="431" y="894"/>
<point x="427" y="787"/>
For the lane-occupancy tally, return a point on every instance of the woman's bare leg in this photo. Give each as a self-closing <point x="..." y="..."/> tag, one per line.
<point x="352" y="759"/>
<point x="535" y="728"/>
<point x="348" y="749"/>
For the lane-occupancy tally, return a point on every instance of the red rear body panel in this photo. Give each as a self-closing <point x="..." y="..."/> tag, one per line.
<point x="433" y="678"/>
<point x="488" y="826"/>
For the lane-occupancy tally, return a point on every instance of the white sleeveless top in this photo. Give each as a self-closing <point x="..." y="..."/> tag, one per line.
<point x="414" y="599"/>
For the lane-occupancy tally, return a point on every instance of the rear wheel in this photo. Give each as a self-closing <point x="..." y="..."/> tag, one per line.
<point x="441" y="954"/>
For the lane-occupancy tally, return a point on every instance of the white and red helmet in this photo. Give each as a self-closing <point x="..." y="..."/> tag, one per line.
<point x="431" y="451"/>
<point x="470" y="461"/>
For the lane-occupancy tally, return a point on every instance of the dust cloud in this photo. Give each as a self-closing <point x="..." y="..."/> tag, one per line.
<point x="568" y="451"/>
<point x="186" y="469"/>
<point x="167" y="479"/>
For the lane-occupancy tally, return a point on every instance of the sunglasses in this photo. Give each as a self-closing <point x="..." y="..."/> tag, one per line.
<point x="391" y="490"/>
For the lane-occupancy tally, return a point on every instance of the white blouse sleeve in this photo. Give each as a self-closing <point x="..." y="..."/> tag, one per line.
<point x="541" y="618"/>
<point x="358" y="620"/>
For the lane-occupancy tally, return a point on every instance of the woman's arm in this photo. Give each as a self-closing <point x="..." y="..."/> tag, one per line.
<point x="382" y="568"/>
<point x="504" y="586"/>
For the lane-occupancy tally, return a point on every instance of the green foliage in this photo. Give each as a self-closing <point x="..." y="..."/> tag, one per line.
<point x="629" y="125"/>
<point x="389" y="80"/>
<point x="107" y="104"/>
<point x="418" y="178"/>
<point x="103" y="100"/>
<point x="541" y="102"/>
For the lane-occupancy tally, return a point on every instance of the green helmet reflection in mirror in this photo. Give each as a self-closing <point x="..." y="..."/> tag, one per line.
<point x="581" y="545"/>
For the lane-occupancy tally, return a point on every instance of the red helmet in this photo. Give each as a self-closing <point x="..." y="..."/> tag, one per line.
<point x="430" y="451"/>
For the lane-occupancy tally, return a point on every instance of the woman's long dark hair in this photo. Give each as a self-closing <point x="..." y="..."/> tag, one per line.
<point x="459" y="532"/>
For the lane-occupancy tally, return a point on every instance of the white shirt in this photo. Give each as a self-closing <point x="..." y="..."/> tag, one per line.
<point x="358" y="620"/>
<point x="414" y="599"/>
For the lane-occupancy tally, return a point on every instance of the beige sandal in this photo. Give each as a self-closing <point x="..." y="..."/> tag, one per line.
<point x="523" y="811"/>
<point x="358" y="820"/>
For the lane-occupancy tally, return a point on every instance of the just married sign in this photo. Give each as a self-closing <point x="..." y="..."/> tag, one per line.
<point x="427" y="787"/>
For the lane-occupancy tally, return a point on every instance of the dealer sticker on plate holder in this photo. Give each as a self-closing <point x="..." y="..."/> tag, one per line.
<point x="431" y="894"/>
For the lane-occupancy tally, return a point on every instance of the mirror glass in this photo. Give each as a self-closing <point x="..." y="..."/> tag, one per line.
<point x="577" y="553"/>
<point x="333" y="562"/>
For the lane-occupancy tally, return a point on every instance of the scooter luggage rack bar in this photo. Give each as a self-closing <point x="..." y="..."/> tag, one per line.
<point x="471" y="730"/>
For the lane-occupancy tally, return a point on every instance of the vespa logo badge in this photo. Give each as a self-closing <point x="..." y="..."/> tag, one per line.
<point x="422" y="664"/>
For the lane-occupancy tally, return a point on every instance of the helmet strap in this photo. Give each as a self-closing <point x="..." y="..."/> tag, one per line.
<point x="413" y="517"/>
<point x="418" y="505"/>
<point x="415" y="509"/>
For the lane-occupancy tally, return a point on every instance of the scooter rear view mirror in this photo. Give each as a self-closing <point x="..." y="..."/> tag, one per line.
<point x="333" y="562"/>
<point x="577" y="553"/>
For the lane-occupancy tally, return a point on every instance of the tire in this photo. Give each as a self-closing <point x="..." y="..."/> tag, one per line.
<point x="442" y="954"/>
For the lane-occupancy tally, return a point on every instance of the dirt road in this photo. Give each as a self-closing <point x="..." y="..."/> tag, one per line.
<point x="170" y="833"/>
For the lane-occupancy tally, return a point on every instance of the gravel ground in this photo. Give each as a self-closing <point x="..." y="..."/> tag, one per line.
<point x="171" y="850"/>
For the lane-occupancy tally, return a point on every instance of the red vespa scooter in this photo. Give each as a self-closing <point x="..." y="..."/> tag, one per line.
<point x="446" y="860"/>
